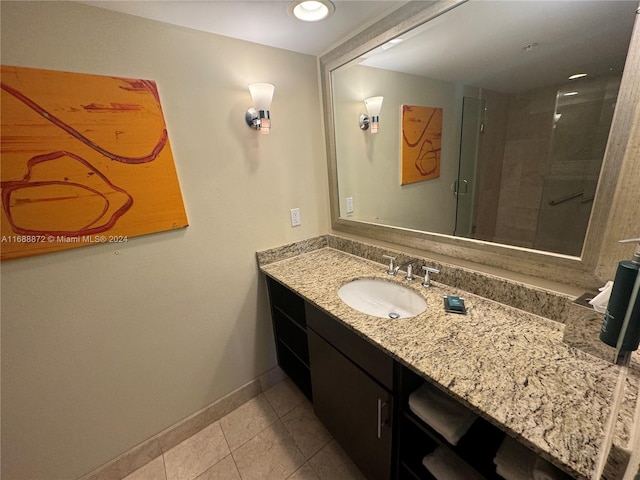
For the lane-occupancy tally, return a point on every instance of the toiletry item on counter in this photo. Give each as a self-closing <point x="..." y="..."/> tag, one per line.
<point x="623" y="309"/>
<point x="514" y="461"/>
<point x="446" y="416"/>
<point x="600" y="301"/>
<point x="446" y="465"/>
<point x="454" y="304"/>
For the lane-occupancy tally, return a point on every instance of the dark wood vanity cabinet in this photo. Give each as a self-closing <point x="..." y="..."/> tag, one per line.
<point x="352" y="393"/>
<point x="290" y="331"/>
<point x="361" y="395"/>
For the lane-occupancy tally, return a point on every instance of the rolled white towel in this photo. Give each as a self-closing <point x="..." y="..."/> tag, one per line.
<point x="514" y="461"/>
<point x="445" y="415"/>
<point x="445" y="465"/>
<point x="543" y="470"/>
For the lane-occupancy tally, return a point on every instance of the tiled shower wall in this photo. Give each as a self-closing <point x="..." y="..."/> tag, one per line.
<point x="525" y="161"/>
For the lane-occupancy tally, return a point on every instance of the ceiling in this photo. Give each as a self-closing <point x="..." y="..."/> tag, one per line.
<point x="261" y="21"/>
<point x="480" y="43"/>
<point x="511" y="46"/>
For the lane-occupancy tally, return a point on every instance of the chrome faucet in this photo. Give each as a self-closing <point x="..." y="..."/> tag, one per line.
<point x="427" y="281"/>
<point x="409" y="266"/>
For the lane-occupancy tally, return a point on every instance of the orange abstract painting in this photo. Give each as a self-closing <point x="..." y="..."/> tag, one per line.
<point x="421" y="143"/>
<point x="85" y="159"/>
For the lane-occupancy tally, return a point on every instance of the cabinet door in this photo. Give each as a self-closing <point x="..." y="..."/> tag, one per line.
<point x="354" y="408"/>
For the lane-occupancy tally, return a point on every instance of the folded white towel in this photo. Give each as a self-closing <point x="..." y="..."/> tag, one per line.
<point x="543" y="470"/>
<point x="445" y="465"/>
<point x="514" y="461"/>
<point x="446" y="416"/>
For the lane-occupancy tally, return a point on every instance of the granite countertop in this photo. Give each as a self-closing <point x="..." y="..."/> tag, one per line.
<point x="508" y="365"/>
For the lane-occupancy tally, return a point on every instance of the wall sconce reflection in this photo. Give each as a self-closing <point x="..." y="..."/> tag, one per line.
<point x="373" y="104"/>
<point x="257" y="117"/>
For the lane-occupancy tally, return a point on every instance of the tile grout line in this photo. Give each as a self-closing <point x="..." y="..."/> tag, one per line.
<point x="233" y="458"/>
<point x="164" y="465"/>
<point x="236" y="465"/>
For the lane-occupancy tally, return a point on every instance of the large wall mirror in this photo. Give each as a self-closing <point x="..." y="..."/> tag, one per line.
<point x="524" y="93"/>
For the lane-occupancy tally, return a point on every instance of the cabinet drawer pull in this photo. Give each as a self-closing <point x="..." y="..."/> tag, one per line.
<point x="381" y="405"/>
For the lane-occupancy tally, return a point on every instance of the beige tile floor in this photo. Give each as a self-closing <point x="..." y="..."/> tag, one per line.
<point x="274" y="436"/>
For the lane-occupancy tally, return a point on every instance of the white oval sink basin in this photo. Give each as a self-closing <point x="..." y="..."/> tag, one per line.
<point x="380" y="298"/>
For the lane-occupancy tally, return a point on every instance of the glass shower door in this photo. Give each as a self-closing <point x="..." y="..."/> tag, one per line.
<point x="464" y="188"/>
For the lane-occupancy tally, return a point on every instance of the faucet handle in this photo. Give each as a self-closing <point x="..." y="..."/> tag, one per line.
<point x="392" y="264"/>
<point x="427" y="281"/>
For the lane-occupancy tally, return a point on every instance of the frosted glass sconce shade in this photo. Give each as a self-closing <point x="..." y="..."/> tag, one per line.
<point x="262" y="94"/>
<point x="374" y="105"/>
<point x="257" y="117"/>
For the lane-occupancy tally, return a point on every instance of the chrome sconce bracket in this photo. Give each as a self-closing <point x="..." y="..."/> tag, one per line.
<point x="364" y="121"/>
<point x="256" y="119"/>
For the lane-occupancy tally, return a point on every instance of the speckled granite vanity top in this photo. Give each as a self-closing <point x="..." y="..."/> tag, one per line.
<point x="510" y="366"/>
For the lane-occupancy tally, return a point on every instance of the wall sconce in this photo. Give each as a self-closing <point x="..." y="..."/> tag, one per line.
<point x="257" y="117"/>
<point x="373" y="104"/>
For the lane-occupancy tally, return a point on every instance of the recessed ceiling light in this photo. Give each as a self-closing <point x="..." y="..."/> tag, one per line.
<point x="311" y="10"/>
<point x="570" y="94"/>
<point x="392" y="43"/>
<point x="577" y="75"/>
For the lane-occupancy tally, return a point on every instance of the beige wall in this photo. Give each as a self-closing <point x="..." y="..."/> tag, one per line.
<point x="102" y="350"/>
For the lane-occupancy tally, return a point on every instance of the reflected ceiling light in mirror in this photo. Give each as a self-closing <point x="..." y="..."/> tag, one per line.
<point x="577" y="76"/>
<point x="257" y="117"/>
<point x="374" y="105"/>
<point x="311" y="10"/>
<point x="382" y="48"/>
<point x="392" y="43"/>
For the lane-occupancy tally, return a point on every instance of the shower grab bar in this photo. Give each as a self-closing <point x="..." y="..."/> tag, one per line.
<point x="553" y="203"/>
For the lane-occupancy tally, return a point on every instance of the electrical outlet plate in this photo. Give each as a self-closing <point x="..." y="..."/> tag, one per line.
<point x="349" y="205"/>
<point x="295" y="217"/>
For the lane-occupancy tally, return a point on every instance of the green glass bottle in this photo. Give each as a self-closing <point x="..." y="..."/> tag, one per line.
<point x="623" y="293"/>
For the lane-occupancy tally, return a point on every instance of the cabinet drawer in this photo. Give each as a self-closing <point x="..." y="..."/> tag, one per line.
<point x="368" y="357"/>
<point x="287" y="301"/>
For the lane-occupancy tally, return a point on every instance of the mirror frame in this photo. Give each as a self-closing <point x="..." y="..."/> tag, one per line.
<point x="616" y="209"/>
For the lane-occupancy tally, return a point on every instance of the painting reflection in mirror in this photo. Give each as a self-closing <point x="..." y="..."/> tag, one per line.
<point x="421" y="137"/>
<point x="522" y="144"/>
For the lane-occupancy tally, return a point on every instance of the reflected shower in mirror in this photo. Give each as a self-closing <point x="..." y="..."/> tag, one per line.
<point x="527" y="91"/>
